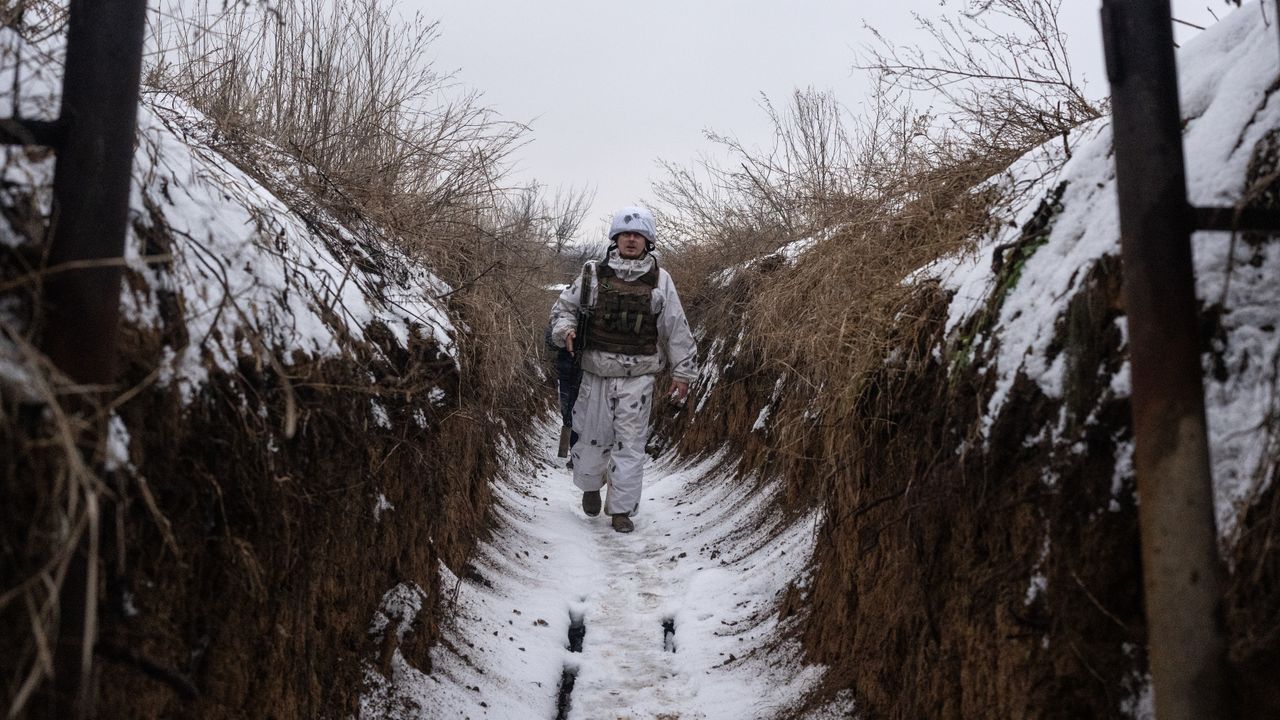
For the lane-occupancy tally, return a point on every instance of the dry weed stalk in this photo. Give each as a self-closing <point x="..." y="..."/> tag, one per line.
<point x="68" y="521"/>
<point x="796" y="184"/>
<point x="345" y="86"/>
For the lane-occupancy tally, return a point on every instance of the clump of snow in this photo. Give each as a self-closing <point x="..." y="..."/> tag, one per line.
<point x="399" y="607"/>
<point x="117" y="450"/>
<point x="788" y="253"/>
<point x="128" y="605"/>
<point x="380" y="416"/>
<point x="1141" y="705"/>
<point x="381" y="505"/>
<point x="437" y="396"/>
<point x="1039" y="583"/>
<point x="762" y="419"/>
<point x="17" y="376"/>
<point x="1123" y="471"/>
<point x="708" y="373"/>
<point x="397" y="611"/>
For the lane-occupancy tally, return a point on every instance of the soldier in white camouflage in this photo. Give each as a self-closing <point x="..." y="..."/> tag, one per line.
<point x="637" y="328"/>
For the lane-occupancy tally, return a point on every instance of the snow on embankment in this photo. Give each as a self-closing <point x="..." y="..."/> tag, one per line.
<point x="294" y="440"/>
<point x="1230" y="143"/>
<point x="977" y="554"/>
<point x="300" y="283"/>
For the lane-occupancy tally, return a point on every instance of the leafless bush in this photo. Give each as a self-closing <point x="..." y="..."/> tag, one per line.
<point x="827" y="169"/>
<point x="550" y="220"/>
<point x="996" y="80"/>
<point x="794" y="184"/>
<point x="1000" y="69"/>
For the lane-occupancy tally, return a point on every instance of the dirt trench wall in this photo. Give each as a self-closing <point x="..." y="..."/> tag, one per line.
<point x="283" y="550"/>
<point x="248" y="590"/>
<point x="958" y="575"/>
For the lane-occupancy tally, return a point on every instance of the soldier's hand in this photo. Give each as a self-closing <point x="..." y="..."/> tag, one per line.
<point x="679" y="391"/>
<point x="568" y="340"/>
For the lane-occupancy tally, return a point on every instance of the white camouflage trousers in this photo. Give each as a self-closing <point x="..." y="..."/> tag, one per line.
<point x="611" y="418"/>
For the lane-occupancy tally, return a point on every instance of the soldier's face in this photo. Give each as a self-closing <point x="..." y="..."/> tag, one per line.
<point x="630" y="245"/>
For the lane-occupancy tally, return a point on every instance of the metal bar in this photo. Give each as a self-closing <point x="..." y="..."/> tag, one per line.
<point x="21" y="131"/>
<point x="1236" y="219"/>
<point x="81" y="306"/>
<point x="1182" y="573"/>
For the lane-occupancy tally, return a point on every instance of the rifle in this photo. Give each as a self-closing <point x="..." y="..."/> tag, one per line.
<point x="580" y="338"/>
<point x="569" y="394"/>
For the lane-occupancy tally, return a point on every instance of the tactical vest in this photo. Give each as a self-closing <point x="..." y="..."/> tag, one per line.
<point x="623" y="320"/>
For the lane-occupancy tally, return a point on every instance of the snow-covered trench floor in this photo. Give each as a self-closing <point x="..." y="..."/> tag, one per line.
<point x="678" y="619"/>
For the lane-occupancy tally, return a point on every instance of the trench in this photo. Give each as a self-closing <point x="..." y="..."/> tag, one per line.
<point x="569" y="675"/>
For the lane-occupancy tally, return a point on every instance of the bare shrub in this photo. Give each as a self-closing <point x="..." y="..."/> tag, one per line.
<point x="999" y="69"/>
<point x="891" y="189"/>
<point x="791" y="185"/>
<point x="345" y="85"/>
<point x="832" y="318"/>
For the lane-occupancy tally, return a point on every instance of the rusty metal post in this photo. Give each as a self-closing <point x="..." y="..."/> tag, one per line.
<point x="81" y="293"/>
<point x="1182" y="573"/>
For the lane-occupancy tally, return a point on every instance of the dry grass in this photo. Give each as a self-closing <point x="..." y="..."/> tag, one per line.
<point x="827" y="321"/>
<point x="383" y="139"/>
<point x="886" y="192"/>
<point x="346" y="87"/>
<point x="833" y="319"/>
<point x="66" y="521"/>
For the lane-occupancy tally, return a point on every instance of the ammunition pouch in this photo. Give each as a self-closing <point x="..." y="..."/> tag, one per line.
<point x="623" y="320"/>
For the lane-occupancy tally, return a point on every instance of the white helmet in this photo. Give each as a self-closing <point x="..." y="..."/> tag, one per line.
<point x="634" y="219"/>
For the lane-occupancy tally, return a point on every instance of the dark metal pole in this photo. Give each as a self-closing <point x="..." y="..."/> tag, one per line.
<point x="81" y="294"/>
<point x="91" y="186"/>
<point x="1182" y="573"/>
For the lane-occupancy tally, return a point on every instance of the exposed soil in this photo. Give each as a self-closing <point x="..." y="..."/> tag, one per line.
<point x="252" y="597"/>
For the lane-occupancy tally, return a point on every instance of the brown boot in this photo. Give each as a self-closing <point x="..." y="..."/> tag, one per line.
<point x="591" y="502"/>
<point x="622" y="523"/>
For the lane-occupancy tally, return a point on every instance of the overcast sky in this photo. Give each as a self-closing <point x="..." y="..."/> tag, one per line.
<point x="610" y="87"/>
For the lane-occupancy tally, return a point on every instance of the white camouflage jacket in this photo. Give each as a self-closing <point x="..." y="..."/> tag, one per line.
<point x="676" y="346"/>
